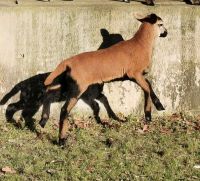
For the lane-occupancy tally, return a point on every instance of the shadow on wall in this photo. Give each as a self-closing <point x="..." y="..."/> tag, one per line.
<point x="33" y="93"/>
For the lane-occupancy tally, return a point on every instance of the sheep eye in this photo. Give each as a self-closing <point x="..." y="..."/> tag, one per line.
<point x="160" y="25"/>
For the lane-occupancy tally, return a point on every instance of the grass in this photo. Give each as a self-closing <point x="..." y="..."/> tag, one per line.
<point x="169" y="151"/>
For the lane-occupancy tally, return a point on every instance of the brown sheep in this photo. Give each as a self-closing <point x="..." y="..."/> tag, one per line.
<point x="128" y="58"/>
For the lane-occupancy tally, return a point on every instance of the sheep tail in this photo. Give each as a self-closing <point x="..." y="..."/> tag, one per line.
<point x="59" y="70"/>
<point x="12" y="92"/>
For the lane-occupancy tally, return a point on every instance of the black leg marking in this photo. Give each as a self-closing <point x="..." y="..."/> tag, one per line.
<point x="62" y="142"/>
<point x="157" y="104"/>
<point x="147" y="117"/>
<point x="154" y="98"/>
<point x="43" y="122"/>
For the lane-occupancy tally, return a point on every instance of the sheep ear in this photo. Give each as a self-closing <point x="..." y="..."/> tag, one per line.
<point x="104" y="33"/>
<point x="151" y="18"/>
<point x="140" y="16"/>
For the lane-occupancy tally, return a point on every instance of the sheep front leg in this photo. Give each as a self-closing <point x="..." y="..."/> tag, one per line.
<point x="155" y="99"/>
<point x="140" y="80"/>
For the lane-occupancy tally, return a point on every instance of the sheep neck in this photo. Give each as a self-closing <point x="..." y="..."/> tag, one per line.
<point x="145" y="37"/>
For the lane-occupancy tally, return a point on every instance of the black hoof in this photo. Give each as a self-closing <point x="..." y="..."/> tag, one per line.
<point x="158" y="105"/>
<point x="98" y="120"/>
<point x="42" y="123"/>
<point x="61" y="142"/>
<point x="148" y="117"/>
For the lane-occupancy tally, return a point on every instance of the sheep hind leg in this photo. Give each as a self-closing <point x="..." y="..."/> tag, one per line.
<point x="64" y="123"/>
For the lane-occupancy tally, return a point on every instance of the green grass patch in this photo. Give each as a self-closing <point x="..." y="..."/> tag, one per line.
<point x="169" y="151"/>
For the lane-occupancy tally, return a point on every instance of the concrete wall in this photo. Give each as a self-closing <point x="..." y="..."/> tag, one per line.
<point x="34" y="39"/>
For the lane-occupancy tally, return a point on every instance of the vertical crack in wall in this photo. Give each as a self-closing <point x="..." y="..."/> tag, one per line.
<point x="187" y="78"/>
